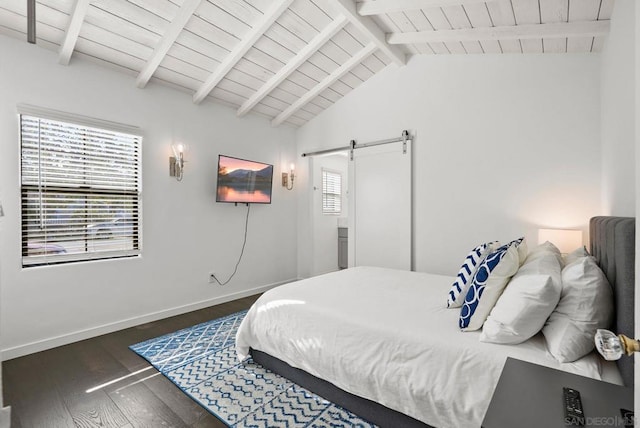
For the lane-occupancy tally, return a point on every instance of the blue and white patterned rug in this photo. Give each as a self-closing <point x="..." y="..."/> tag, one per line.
<point x="201" y="360"/>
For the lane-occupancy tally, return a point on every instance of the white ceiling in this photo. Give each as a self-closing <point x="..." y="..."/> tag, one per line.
<point x="291" y="59"/>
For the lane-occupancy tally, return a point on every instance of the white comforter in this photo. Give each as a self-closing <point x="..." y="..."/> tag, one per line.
<point x="386" y="335"/>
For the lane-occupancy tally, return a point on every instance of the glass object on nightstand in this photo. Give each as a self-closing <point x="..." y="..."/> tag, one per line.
<point x="609" y="345"/>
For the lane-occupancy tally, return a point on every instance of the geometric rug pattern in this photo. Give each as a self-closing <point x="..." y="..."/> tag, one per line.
<point x="201" y="360"/>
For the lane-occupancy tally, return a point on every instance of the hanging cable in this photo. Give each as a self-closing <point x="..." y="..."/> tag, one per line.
<point x="246" y="228"/>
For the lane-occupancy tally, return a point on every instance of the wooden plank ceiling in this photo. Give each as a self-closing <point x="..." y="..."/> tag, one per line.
<point x="291" y="59"/>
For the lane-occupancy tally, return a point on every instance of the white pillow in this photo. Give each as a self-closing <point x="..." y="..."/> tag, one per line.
<point x="543" y="248"/>
<point x="526" y="302"/>
<point x="586" y="304"/>
<point x="575" y="255"/>
<point x="458" y="290"/>
<point x="487" y="286"/>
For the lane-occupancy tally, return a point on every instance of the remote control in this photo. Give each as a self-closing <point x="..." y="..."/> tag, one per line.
<point x="573" y="413"/>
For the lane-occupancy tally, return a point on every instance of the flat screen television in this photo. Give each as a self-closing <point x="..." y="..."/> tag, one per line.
<point x="243" y="181"/>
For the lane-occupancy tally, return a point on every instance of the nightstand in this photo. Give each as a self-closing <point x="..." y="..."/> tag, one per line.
<point x="530" y="396"/>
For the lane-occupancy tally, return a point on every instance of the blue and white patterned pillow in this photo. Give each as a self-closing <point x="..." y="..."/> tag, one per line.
<point x="487" y="286"/>
<point x="455" y="297"/>
<point x="516" y="241"/>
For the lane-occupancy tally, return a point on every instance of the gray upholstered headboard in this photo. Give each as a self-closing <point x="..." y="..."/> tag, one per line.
<point x="613" y="245"/>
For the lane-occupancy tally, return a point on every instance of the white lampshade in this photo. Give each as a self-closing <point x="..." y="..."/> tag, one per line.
<point x="565" y="239"/>
<point x="178" y="149"/>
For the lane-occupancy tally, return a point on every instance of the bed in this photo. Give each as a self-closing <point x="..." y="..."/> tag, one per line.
<point x="380" y="342"/>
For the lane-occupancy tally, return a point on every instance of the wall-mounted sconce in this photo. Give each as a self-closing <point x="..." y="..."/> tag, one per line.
<point x="176" y="162"/>
<point x="566" y="240"/>
<point x="286" y="178"/>
<point x="613" y="347"/>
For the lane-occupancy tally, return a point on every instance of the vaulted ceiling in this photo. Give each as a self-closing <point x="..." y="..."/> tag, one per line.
<point x="291" y="59"/>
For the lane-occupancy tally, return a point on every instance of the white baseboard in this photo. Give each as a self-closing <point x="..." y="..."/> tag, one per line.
<point x="5" y="417"/>
<point x="65" y="339"/>
<point x="325" y="272"/>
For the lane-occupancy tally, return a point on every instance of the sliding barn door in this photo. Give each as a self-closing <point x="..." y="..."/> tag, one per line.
<point x="381" y="220"/>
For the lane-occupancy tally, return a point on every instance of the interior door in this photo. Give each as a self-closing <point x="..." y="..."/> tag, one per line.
<point x="382" y="206"/>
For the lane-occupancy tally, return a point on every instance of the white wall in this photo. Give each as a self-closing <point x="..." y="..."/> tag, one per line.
<point x="504" y="144"/>
<point x="618" y="112"/>
<point x="637" y="196"/>
<point x="5" y="415"/>
<point x="185" y="233"/>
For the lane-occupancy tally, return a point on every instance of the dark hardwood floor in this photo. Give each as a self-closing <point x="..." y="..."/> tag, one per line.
<point x="49" y="389"/>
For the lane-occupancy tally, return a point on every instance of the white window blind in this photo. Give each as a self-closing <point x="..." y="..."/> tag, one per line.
<point x="81" y="190"/>
<point x="331" y="192"/>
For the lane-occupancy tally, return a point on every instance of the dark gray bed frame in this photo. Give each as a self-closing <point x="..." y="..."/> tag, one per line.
<point x="613" y="246"/>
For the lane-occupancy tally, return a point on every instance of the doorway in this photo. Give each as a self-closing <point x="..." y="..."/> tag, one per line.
<point x="374" y="221"/>
<point x="330" y="209"/>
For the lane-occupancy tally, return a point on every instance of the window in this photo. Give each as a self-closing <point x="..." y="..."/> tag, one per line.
<point x="80" y="192"/>
<point x="331" y="192"/>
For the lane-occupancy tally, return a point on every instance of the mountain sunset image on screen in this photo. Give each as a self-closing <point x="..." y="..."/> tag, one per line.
<point x="243" y="181"/>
